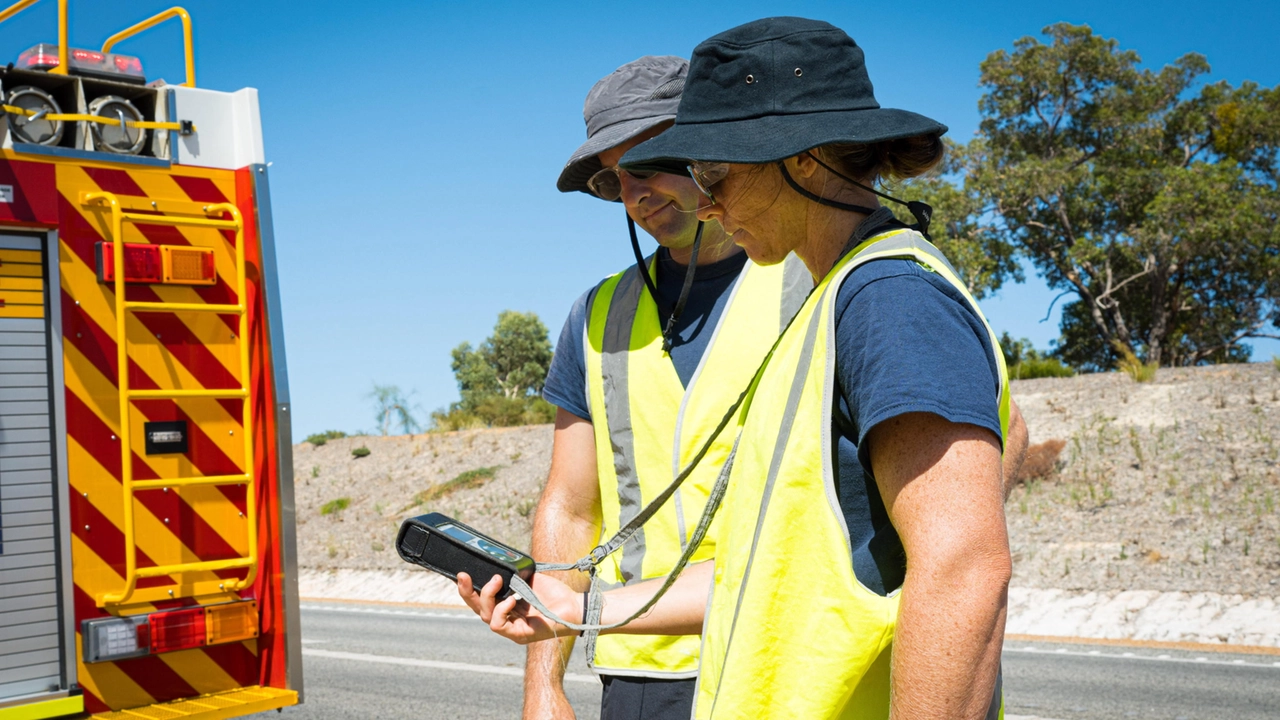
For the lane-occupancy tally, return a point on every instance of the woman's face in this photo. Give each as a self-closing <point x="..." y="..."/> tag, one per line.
<point x="755" y="211"/>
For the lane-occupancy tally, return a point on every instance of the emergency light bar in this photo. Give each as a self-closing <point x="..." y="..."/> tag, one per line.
<point x="120" y="638"/>
<point x="92" y="63"/>
<point x="157" y="264"/>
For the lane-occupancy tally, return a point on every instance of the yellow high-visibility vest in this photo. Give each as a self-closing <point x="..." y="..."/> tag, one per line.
<point x="648" y="427"/>
<point x="790" y="631"/>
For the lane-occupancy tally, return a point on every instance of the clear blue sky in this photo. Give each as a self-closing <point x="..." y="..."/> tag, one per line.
<point x="415" y="146"/>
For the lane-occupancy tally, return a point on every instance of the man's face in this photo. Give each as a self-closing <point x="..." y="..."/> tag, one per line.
<point x="664" y="205"/>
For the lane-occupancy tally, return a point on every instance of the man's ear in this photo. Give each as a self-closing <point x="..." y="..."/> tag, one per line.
<point x="802" y="165"/>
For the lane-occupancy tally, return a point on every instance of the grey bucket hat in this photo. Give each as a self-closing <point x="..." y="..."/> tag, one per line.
<point x="630" y="100"/>
<point x="771" y="89"/>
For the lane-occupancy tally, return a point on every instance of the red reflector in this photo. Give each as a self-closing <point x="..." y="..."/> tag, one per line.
<point x="142" y="263"/>
<point x="86" y="55"/>
<point x="129" y="64"/>
<point x="177" y="630"/>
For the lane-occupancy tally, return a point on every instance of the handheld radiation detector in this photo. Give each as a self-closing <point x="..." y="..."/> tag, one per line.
<point x="440" y="543"/>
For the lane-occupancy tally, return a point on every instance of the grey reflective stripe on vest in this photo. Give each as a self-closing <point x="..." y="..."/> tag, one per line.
<point x="775" y="464"/>
<point x="616" y="346"/>
<point x="797" y="283"/>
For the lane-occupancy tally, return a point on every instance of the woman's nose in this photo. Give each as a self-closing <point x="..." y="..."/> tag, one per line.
<point x="708" y="210"/>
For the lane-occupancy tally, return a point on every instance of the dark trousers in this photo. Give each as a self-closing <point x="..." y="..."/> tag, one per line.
<point x="632" y="698"/>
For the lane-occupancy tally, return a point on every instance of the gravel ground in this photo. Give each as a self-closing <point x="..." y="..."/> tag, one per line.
<point x="1170" y="485"/>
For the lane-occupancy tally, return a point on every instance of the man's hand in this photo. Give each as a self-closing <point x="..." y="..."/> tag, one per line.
<point x="516" y="619"/>
<point x="1015" y="448"/>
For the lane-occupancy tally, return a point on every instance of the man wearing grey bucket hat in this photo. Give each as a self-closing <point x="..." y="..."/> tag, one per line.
<point x="862" y="560"/>
<point x="647" y="358"/>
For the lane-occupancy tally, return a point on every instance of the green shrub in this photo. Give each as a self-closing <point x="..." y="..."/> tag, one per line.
<point x="360" y="452"/>
<point x="321" y="438"/>
<point x="1130" y="365"/>
<point x="463" y="481"/>
<point x="496" y="411"/>
<point x="1040" y="367"/>
<point x="1275" y="360"/>
<point x="334" y="507"/>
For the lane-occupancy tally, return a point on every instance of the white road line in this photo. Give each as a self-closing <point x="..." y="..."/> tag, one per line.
<point x="1133" y="656"/>
<point x="399" y="613"/>
<point x="436" y="664"/>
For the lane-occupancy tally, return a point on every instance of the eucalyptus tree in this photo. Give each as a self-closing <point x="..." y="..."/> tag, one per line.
<point x="1148" y="195"/>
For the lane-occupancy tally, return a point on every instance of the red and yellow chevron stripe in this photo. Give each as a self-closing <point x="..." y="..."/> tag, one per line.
<point x="166" y="351"/>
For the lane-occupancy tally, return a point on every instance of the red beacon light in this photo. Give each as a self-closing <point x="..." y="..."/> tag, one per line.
<point x="90" y="63"/>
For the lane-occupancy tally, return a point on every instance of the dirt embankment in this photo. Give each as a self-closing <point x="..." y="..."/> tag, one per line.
<point x="506" y="468"/>
<point x="1168" y="485"/>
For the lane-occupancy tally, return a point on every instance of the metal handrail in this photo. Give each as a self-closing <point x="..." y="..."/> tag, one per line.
<point x="21" y="5"/>
<point x="84" y="117"/>
<point x="151" y="22"/>
<point x="132" y="572"/>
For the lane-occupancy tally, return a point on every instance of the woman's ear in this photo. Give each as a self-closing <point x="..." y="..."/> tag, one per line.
<point x="802" y="165"/>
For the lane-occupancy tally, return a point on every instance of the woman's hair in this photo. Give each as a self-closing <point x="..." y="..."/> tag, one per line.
<point x="891" y="159"/>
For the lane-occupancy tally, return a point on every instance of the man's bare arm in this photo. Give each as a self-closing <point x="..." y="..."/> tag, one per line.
<point x="566" y="526"/>
<point x="1015" y="448"/>
<point x="941" y="483"/>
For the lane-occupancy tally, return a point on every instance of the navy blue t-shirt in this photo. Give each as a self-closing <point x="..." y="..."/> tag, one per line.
<point x="906" y="341"/>
<point x="566" y="385"/>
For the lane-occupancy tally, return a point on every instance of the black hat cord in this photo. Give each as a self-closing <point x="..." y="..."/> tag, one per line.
<point x="669" y="329"/>
<point x="922" y="212"/>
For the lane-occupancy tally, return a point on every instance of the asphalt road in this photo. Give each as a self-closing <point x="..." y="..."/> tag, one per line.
<point x="368" y="661"/>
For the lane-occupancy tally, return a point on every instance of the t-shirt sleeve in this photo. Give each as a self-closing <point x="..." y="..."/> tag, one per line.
<point x="908" y="341"/>
<point x="566" y="385"/>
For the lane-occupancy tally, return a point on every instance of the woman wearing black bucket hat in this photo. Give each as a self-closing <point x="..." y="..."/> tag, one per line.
<point x="862" y="561"/>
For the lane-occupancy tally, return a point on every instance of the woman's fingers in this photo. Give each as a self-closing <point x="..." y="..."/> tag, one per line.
<point x="475" y="600"/>
<point x="504" y="614"/>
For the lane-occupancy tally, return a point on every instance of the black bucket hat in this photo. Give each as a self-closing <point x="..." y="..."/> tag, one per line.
<point x="772" y="89"/>
<point x="628" y="101"/>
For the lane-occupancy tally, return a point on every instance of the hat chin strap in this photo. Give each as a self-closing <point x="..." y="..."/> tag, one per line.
<point x="669" y="329"/>
<point x="922" y="212"/>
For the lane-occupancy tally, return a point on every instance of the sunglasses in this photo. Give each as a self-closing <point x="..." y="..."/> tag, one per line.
<point x="705" y="175"/>
<point x="607" y="184"/>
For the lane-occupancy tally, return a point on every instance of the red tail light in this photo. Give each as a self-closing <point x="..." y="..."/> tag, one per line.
<point x="142" y="263"/>
<point x="177" y="630"/>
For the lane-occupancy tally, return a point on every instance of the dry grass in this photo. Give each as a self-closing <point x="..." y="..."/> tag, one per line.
<point x="463" y="481"/>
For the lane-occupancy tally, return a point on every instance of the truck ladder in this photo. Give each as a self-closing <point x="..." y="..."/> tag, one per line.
<point x="120" y="208"/>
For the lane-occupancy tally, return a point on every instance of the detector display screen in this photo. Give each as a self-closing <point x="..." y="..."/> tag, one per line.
<point x="486" y="546"/>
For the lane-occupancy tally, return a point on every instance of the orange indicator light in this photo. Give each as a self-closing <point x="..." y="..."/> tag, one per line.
<point x="231" y="622"/>
<point x="187" y="265"/>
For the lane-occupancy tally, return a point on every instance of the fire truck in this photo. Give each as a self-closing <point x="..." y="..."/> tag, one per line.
<point x="147" y="552"/>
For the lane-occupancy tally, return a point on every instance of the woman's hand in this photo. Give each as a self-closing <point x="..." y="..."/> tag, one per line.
<point x="514" y="618"/>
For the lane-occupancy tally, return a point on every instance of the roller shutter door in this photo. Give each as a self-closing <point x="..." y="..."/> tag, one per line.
<point x="30" y="624"/>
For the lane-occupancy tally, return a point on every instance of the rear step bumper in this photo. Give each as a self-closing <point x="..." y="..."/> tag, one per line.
<point x="214" y="706"/>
